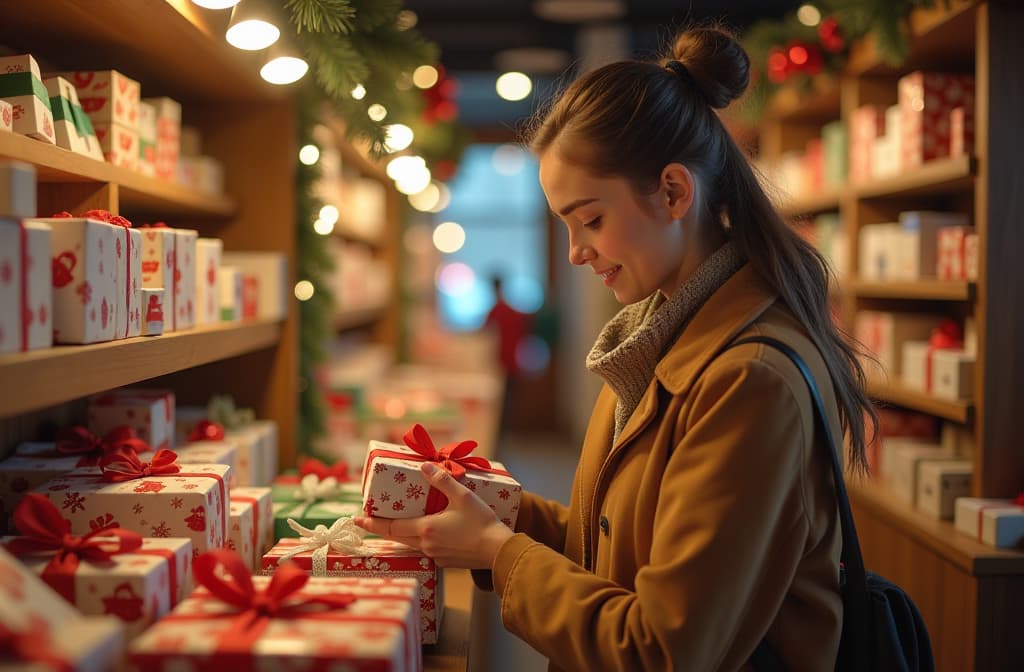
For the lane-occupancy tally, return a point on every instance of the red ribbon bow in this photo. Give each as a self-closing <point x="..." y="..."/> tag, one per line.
<point x="453" y="458"/>
<point x="1019" y="499"/>
<point x="32" y="644"/>
<point x="45" y="530"/>
<point x="102" y="215"/>
<point x="946" y="336"/>
<point x="339" y="470"/>
<point x="235" y="588"/>
<point x="80" y="441"/>
<point x="117" y="467"/>
<point x="207" y="430"/>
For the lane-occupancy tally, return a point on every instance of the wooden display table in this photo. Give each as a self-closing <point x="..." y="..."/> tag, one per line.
<point x="451" y="653"/>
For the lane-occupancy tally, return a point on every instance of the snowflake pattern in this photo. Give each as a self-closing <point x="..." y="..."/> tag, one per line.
<point x="398" y="505"/>
<point x="190" y="486"/>
<point x="379" y="468"/>
<point x="162" y="530"/>
<point x="385" y="496"/>
<point x="137" y="509"/>
<point x="471" y="485"/>
<point x="176" y="502"/>
<point x="400" y="477"/>
<point x="370" y="507"/>
<point x="74" y="502"/>
<point x="414" y="492"/>
<point x="504" y="493"/>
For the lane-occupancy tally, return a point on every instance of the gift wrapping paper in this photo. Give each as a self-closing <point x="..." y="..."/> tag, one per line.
<point x="250" y="296"/>
<point x="17" y="189"/>
<point x="120" y="144"/>
<point x="940" y="483"/>
<point x="396" y="488"/>
<point x="168" y="136"/>
<point x="147" y="139"/>
<point x="32" y="465"/>
<point x="84" y="277"/>
<point x="72" y="127"/>
<point x="379" y="630"/>
<point x="26" y="294"/>
<point x="208" y="253"/>
<point x="383" y="559"/>
<point x="6" y="116"/>
<point x="952" y="249"/>
<point x="128" y="304"/>
<point x="866" y="124"/>
<point x="995" y="522"/>
<point x="31" y="609"/>
<point x="229" y="279"/>
<point x="961" y="131"/>
<point x="108" y="97"/>
<point x="242" y="532"/>
<point x="30" y="103"/>
<point x="158" y="266"/>
<point x="149" y="412"/>
<point x="138" y="587"/>
<point x="263" y="515"/>
<point x="152" y="311"/>
<point x="184" y="278"/>
<point x="926" y="100"/>
<point x="192" y="503"/>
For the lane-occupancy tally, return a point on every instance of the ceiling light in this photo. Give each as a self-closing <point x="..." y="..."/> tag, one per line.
<point x="251" y="27"/>
<point x="215" y="4"/>
<point x="513" y="86"/>
<point x="579" y="11"/>
<point x="285" y="65"/>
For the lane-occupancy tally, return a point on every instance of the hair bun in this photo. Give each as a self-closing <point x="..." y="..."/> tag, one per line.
<point x="717" y="63"/>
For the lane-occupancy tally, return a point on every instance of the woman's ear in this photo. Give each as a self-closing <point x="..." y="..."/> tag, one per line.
<point x="679" y="188"/>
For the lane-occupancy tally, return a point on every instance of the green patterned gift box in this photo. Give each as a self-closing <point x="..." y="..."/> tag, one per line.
<point x="310" y="514"/>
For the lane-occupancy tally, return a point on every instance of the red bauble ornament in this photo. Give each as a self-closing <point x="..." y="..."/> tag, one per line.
<point x="831" y="35"/>
<point x="778" y="65"/>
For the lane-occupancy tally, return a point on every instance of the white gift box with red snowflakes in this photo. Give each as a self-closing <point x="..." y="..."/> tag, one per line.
<point x="208" y="253"/>
<point x="379" y="630"/>
<point x="192" y="503"/>
<point x="242" y="532"/>
<point x="136" y="587"/>
<point x="128" y="300"/>
<point x="185" y="278"/>
<point x="32" y="465"/>
<point x="84" y="275"/>
<point x="26" y="295"/>
<point x="149" y="412"/>
<point x="384" y="559"/>
<point x="263" y="515"/>
<point x="30" y="104"/>
<point x="213" y="452"/>
<point x="926" y="100"/>
<point x="396" y="488"/>
<point x="158" y="266"/>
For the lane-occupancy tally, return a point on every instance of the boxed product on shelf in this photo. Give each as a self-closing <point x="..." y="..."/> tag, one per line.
<point x="229" y="279"/>
<point x="158" y="265"/>
<point x="22" y="87"/>
<point x="255" y="440"/>
<point x="885" y="149"/>
<point x="242" y="532"/>
<point x="952" y="375"/>
<point x="72" y="127"/>
<point x="866" y="123"/>
<point x="184" y="278"/>
<point x="210" y="452"/>
<point x="250" y="296"/>
<point x="915" y="365"/>
<point x="32" y="465"/>
<point x="940" y="483"/>
<point x="901" y="461"/>
<point x="150" y="412"/>
<point x="883" y="333"/>
<point x="128" y="304"/>
<point x="961" y="132"/>
<point x="879" y="251"/>
<point x="996" y="522"/>
<point x="46" y="632"/>
<point x="120" y="145"/>
<point x="84" y="265"/>
<point x="6" y="117"/>
<point x="834" y="149"/>
<point x="202" y="173"/>
<point x="147" y="139"/>
<point x="26" y="292"/>
<point x="168" y="136"/>
<point x="263" y="515"/>
<point x="972" y="252"/>
<point x="152" y="311"/>
<point x="920" y="251"/>
<point x="814" y="166"/>
<point x="17" y="189"/>
<point x="271" y="268"/>
<point x="108" y="97"/>
<point x="926" y="100"/>
<point x="952" y="247"/>
<point x="208" y="255"/>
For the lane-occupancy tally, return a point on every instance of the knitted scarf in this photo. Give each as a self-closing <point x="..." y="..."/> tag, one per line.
<point x="631" y="344"/>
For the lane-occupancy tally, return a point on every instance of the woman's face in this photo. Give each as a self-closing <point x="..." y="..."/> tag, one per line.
<point x="631" y="240"/>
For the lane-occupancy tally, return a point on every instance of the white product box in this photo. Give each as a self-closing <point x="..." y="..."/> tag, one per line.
<point x="900" y="461"/>
<point x="152" y="311"/>
<point x="272" y="270"/>
<point x="230" y="280"/>
<point x="184" y="278"/>
<point x="996" y="522"/>
<point x="208" y="255"/>
<point x="17" y="189"/>
<point x="920" y="258"/>
<point x="940" y="483"/>
<point x="26" y="292"/>
<point x="30" y="106"/>
<point x="952" y="375"/>
<point x="914" y="364"/>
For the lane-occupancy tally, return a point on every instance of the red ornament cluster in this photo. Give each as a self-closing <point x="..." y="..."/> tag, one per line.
<point x="440" y="103"/>
<point x="801" y="57"/>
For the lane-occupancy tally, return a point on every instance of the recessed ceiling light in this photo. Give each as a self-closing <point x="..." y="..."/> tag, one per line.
<point x="536" y="60"/>
<point x="579" y="11"/>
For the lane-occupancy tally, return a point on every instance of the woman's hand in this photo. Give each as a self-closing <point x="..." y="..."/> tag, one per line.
<point x="466" y="534"/>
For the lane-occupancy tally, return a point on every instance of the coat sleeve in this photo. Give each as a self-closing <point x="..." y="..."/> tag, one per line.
<point x="729" y="531"/>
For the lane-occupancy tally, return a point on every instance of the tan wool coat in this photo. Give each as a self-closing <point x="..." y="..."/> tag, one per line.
<point x="711" y="521"/>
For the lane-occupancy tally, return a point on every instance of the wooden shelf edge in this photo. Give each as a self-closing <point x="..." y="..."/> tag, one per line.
<point x="935" y="290"/>
<point x="43" y="378"/>
<point x="900" y="395"/>
<point x="940" y="175"/>
<point x="938" y="535"/>
<point x="812" y="204"/>
<point x="357" y="318"/>
<point x="55" y="164"/>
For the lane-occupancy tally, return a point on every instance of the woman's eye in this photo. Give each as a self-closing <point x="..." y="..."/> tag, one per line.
<point x="594" y="223"/>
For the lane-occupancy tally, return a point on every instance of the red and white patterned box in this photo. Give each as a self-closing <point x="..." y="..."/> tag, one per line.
<point x="59" y="636"/>
<point x="995" y="522"/>
<point x="6" y="116"/>
<point x="972" y="253"/>
<point x="212" y="452"/>
<point x="191" y="503"/>
<point x="168" y="136"/>
<point x="379" y="630"/>
<point x="120" y="144"/>
<point x="24" y="91"/>
<point x="250" y="296"/>
<point x="208" y="253"/>
<point x="108" y="97"/>
<point x="394" y="487"/>
<point x="263" y="515"/>
<point x="926" y="100"/>
<point x="256" y="442"/>
<point x="242" y="532"/>
<point x="152" y="311"/>
<point x="383" y="559"/>
<point x="26" y="295"/>
<point x="32" y="465"/>
<point x="147" y="139"/>
<point x="158" y="266"/>
<point x="952" y="252"/>
<point x="84" y="275"/>
<point x="185" y="278"/>
<point x="149" y="412"/>
<point x="128" y="306"/>
<point x="866" y="124"/>
<point x="68" y="117"/>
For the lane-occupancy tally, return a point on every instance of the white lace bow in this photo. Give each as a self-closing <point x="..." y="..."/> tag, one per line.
<point x="312" y="489"/>
<point x="343" y="536"/>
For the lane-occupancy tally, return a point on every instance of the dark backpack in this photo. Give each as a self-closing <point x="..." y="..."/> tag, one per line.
<point x="882" y="627"/>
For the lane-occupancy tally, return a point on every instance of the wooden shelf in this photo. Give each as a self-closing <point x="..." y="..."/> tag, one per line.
<point x="942" y="176"/>
<point x="790" y="105"/>
<point x="41" y="378"/>
<point x="812" y="204"/>
<point x="934" y="290"/>
<point x="900" y="395"/>
<point x="136" y="191"/>
<point x="938" y="535"/>
<point x="358" y="318"/>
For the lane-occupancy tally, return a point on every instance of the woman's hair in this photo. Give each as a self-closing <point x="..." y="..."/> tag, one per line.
<point x="632" y="118"/>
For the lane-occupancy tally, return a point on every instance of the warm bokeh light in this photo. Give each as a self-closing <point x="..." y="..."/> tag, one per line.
<point x="304" y="290"/>
<point x="377" y="112"/>
<point x="809" y="15"/>
<point x="329" y="213"/>
<point x="398" y="137"/>
<point x="424" y="76"/>
<point x="252" y="34"/>
<point x="449" y="237"/>
<point x="359" y="92"/>
<point x="445" y="197"/>
<point x="426" y="199"/>
<point x="216" y="4"/>
<point x="323" y="227"/>
<point x="309" y="155"/>
<point x="284" y="70"/>
<point x="455" y="279"/>
<point x="513" y="86"/>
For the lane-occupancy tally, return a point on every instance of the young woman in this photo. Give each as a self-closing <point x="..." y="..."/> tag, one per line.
<point x="703" y="515"/>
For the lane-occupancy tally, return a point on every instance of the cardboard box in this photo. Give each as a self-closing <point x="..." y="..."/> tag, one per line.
<point x="208" y="256"/>
<point x="149" y="412"/>
<point x="995" y="522"/>
<point x="900" y="462"/>
<point x="926" y="100"/>
<point x="30" y="105"/>
<point x="109" y="97"/>
<point x="184" y="278"/>
<point x="952" y="375"/>
<point x="940" y="483"/>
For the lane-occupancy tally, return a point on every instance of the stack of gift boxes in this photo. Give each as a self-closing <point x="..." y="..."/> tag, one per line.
<point x="145" y="513"/>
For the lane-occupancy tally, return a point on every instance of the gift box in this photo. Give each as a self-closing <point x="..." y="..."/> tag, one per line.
<point x="108" y="571"/>
<point x="175" y="500"/>
<point x="357" y="624"/>
<point x="961" y="131"/>
<point x="149" y="412"/>
<point x="229" y="280"/>
<point x="17" y="189"/>
<point x="23" y="89"/>
<point x="250" y="296"/>
<point x="32" y="465"/>
<point x="879" y="248"/>
<point x="926" y="100"/>
<point x="120" y="144"/>
<point x="394" y="486"/>
<point x="202" y="173"/>
<point x="952" y="243"/>
<point x="45" y="632"/>
<point x="834" y="148"/>
<point x="952" y="375"/>
<point x="184" y="278"/>
<point x="6" y="116"/>
<point x="940" y="483"/>
<point x="914" y="364"/>
<point x="341" y="550"/>
<point x="866" y="124"/>
<point x="255" y="440"/>
<point x="242" y="533"/>
<point x="996" y="522"/>
<point x="311" y="511"/>
<point x="168" y="136"/>
<point x="921" y="257"/>
<point x="128" y="306"/>
<point x="147" y="139"/>
<point x="84" y="276"/>
<point x="72" y="127"/>
<point x="208" y="254"/>
<point x="158" y="265"/>
<point x="108" y="97"/>
<point x="222" y="451"/>
<point x="152" y="311"/>
<point x="26" y="294"/>
<point x="972" y="253"/>
<point x="901" y="459"/>
<point x="263" y="515"/>
<point x="883" y="333"/>
<point x="273" y="287"/>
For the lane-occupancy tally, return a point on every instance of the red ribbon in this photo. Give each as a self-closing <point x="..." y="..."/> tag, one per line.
<point x="207" y="430"/>
<point x="32" y="644"/>
<point x="25" y="309"/>
<point x="80" y="441"/>
<point x="118" y="467"/>
<point x="172" y="568"/>
<point x="946" y="336"/>
<point x="1019" y="499"/>
<point x="339" y="470"/>
<point x="45" y="530"/>
<point x="454" y="458"/>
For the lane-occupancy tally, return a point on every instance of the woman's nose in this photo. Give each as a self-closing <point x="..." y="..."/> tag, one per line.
<point x="580" y="254"/>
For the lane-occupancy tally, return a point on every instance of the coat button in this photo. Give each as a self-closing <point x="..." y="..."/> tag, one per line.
<point x="604" y="525"/>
